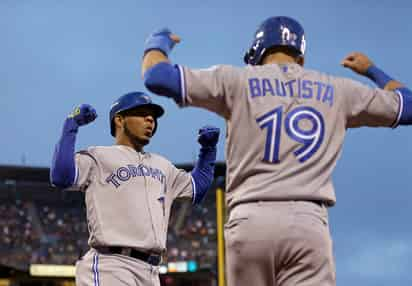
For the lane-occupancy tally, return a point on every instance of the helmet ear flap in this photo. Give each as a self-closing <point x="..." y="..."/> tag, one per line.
<point x="247" y="56"/>
<point x="250" y="55"/>
<point x="113" y="125"/>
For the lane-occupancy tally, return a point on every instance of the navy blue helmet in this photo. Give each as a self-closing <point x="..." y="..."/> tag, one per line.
<point x="276" y="31"/>
<point x="132" y="100"/>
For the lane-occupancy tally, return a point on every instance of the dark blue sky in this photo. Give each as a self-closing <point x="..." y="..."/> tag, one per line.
<point x="57" y="54"/>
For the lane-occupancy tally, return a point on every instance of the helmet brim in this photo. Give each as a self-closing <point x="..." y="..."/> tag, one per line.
<point x="158" y="110"/>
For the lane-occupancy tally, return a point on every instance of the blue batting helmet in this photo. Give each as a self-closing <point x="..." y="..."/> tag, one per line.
<point x="276" y="31"/>
<point x="132" y="100"/>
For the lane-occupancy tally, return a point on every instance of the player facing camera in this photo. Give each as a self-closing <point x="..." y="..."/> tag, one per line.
<point x="128" y="192"/>
<point x="133" y="119"/>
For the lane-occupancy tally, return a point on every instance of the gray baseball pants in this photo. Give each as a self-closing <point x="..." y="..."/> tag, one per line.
<point x="279" y="244"/>
<point x="96" y="269"/>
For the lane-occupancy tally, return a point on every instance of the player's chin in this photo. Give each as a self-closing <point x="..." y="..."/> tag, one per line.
<point x="145" y="139"/>
<point x="145" y="136"/>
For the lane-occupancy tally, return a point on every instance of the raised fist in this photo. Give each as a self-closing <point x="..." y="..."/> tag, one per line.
<point x="208" y="136"/>
<point x="357" y="62"/>
<point x="83" y="114"/>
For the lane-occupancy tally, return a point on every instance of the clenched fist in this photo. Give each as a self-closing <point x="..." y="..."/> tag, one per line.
<point x="208" y="136"/>
<point x="357" y="62"/>
<point x="83" y="114"/>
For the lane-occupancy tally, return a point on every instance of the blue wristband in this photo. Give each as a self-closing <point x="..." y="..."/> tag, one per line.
<point x="159" y="40"/>
<point x="378" y="76"/>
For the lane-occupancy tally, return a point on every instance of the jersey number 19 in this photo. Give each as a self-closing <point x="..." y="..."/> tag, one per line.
<point x="310" y="139"/>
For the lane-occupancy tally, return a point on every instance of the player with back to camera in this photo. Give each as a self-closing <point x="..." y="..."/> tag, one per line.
<point x="285" y="130"/>
<point x="128" y="192"/>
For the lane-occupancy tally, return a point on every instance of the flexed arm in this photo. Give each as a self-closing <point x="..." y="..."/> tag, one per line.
<point x="157" y="48"/>
<point x="362" y="65"/>
<point x="159" y="75"/>
<point x="63" y="169"/>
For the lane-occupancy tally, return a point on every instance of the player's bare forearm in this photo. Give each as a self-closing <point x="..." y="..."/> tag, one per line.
<point x="152" y="58"/>
<point x="392" y="85"/>
<point x="157" y="48"/>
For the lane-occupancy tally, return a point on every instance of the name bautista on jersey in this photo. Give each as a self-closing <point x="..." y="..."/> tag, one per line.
<point x="298" y="88"/>
<point x="125" y="173"/>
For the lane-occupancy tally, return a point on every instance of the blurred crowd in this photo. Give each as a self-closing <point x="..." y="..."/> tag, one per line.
<point x="18" y="238"/>
<point x="196" y="239"/>
<point x="34" y="231"/>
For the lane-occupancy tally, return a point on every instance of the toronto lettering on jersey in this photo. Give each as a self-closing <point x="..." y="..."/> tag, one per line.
<point x="125" y="173"/>
<point x="306" y="89"/>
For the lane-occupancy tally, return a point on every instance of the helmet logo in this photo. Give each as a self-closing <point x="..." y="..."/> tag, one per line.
<point x="288" y="38"/>
<point x="285" y="34"/>
<point x="260" y="34"/>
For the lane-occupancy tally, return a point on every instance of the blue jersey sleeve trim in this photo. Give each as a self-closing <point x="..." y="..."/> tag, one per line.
<point x="76" y="175"/>
<point x="194" y="193"/>
<point x="400" y="108"/>
<point x="182" y="85"/>
<point x="405" y="117"/>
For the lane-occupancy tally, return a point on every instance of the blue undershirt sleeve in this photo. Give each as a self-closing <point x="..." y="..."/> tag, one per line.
<point x="63" y="168"/>
<point x="203" y="173"/>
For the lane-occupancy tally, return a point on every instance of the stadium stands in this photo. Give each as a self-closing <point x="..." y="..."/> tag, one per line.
<point x="42" y="225"/>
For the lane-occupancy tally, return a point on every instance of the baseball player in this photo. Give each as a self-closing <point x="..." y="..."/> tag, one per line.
<point x="128" y="192"/>
<point x="285" y="129"/>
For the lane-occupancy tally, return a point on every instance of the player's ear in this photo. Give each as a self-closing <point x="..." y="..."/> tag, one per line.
<point x="118" y="122"/>
<point x="300" y="61"/>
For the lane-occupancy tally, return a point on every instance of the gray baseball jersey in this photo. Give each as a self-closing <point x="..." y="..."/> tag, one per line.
<point x="285" y="126"/>
<point x="129" y="196"/>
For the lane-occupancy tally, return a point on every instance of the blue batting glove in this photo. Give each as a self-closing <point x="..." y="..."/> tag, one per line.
<point x="83" y="114"/>
<point x="208" y="136"/>
<point x="159" y="40"/>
